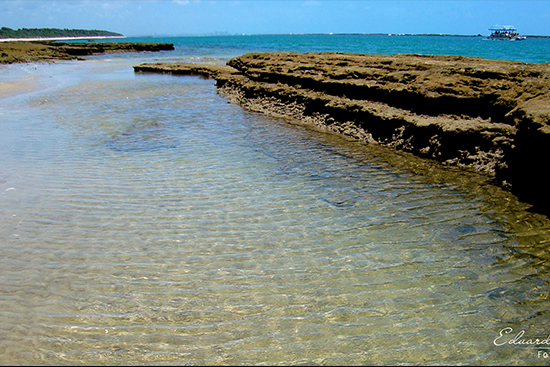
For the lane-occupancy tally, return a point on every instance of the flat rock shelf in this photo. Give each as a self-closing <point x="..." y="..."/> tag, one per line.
<point x="49" y="51"/>
<point x="487" y="115"/>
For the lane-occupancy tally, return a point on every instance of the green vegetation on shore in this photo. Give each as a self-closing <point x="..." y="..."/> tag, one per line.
<point x="6" y="32"/>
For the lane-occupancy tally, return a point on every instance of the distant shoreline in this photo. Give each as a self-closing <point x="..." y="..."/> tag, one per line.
<point x="57" y="38"/>
<point x="282" y="34"/>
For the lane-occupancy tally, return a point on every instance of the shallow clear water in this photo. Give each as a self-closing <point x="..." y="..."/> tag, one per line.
<point x="144" y="220"/>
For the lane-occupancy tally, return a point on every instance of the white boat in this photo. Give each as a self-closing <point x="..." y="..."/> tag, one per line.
<point x="505" y="32"/>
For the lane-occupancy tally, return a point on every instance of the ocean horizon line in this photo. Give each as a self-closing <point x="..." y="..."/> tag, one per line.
<point x="221" y="34"/>
<point x="255" y="34"/>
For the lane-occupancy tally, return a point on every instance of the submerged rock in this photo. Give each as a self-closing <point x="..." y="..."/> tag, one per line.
<point x="486" y="115"/>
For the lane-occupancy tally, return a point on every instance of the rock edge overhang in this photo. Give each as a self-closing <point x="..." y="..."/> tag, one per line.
<point x="490" y="116"/>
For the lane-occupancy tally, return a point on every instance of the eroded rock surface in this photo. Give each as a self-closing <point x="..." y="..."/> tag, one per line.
<point x="490" y="116"/>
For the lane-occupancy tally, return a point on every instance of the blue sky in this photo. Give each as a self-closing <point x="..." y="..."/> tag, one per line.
<point x="184" y="17"/>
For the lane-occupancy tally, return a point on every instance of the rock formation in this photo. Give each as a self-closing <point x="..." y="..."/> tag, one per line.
<point x="32" y="51"/>
<point x="490" y="116"/>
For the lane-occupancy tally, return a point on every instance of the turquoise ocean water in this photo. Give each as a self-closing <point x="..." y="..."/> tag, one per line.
<point x="534" y="50"/>
<point x="144" y="220"/>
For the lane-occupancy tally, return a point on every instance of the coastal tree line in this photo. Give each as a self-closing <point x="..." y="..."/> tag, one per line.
<point x="6" y="32"/>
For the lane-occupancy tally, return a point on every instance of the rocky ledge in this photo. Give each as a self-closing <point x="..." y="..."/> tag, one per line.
<point x="486" y="115"/>
<point x="32" y="51"/>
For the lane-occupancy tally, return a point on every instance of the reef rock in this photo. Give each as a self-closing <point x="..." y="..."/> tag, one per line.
<point x="486" y="115"/>
<point x="33" y="51"/>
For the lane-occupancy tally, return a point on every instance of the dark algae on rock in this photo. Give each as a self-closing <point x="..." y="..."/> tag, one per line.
<point x="487" y="115"/>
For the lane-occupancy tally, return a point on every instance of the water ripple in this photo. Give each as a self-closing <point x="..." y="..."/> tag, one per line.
<point x="138" y="228"/>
